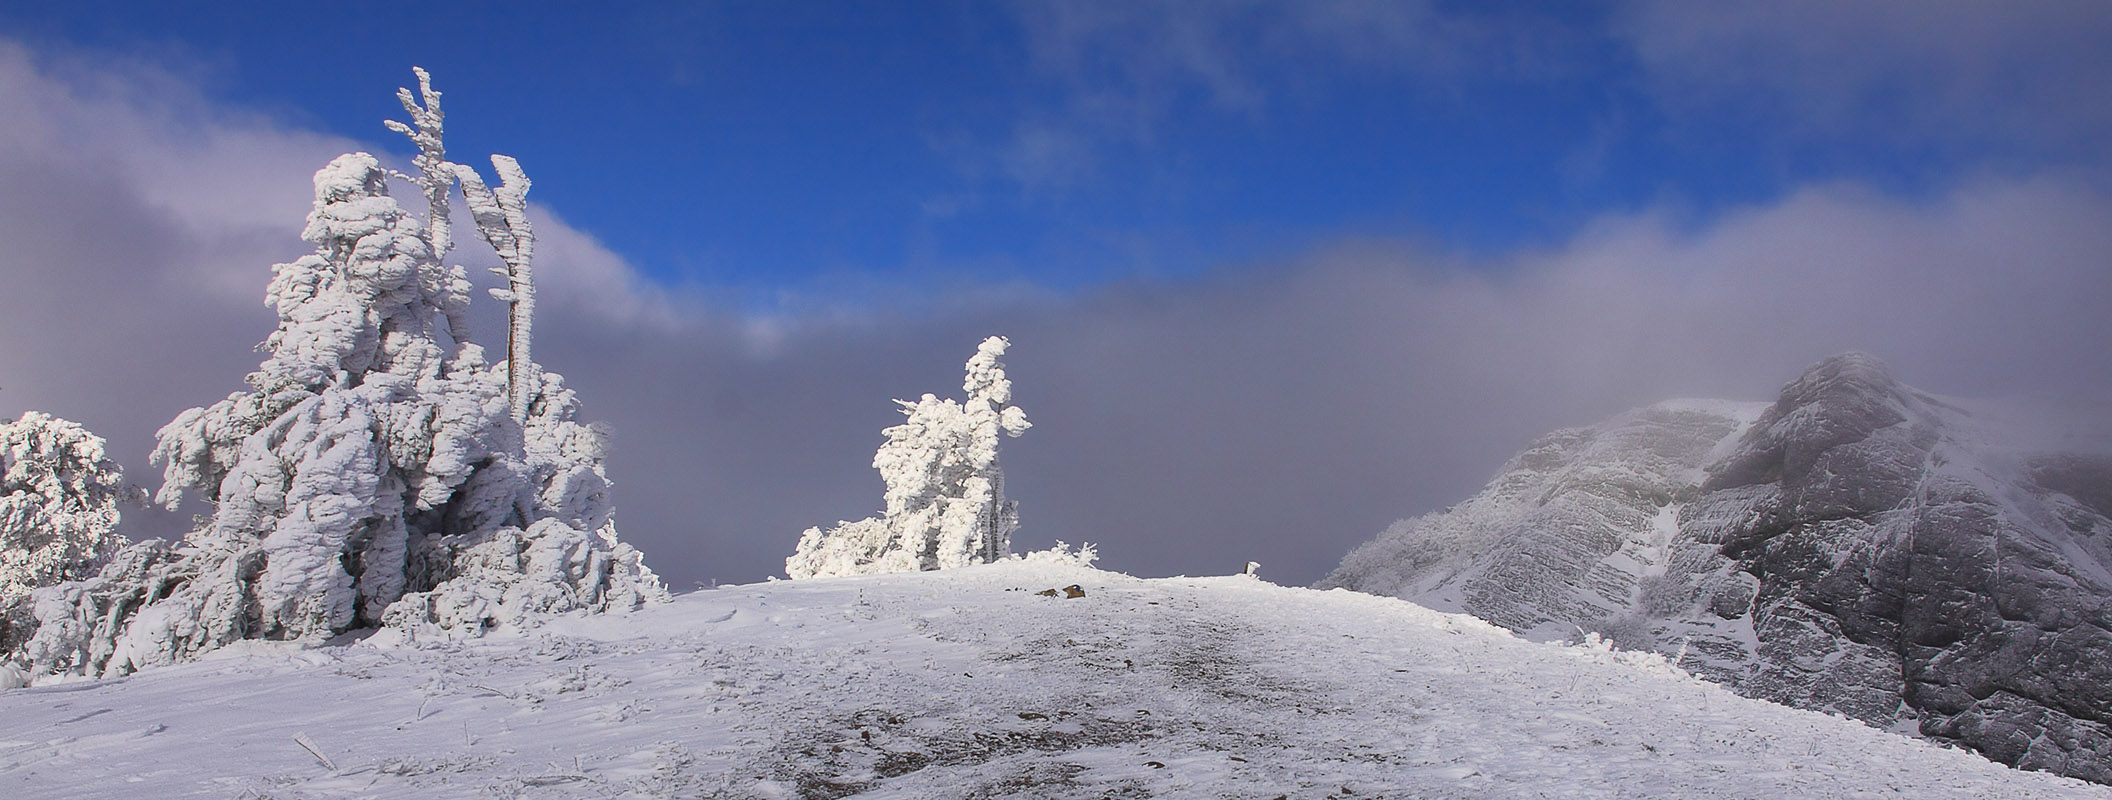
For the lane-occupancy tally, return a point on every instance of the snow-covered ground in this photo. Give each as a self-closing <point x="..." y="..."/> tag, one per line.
<point x="964" y="684"/>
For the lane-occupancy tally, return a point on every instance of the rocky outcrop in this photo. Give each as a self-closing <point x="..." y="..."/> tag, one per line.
<point x="1857" y="547"/>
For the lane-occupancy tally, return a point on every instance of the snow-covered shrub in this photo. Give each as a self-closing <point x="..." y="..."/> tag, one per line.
<point x="864" y="547"/>
<point x="946" y="504"/>
<point x="1062" y="555"/>
<point x="124" y="617"/>
<point x="59" y="499"/>
<point x="379" y="471"/>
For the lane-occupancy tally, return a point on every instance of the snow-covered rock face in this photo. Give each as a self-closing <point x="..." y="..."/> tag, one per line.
<point x="1858" y="546"/>
<point x="1567" y="535"/>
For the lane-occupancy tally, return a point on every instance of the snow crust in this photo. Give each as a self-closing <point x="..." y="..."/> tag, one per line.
<point x="965" y="683"/>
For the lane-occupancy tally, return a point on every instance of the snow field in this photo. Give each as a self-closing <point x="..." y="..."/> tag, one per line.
<point x="964" y="684"/>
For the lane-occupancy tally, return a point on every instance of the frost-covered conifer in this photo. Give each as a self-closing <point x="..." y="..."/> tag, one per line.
<point x="379" y="472"/>
<point x="946" y="504"/>
<point x="59" y="499"/>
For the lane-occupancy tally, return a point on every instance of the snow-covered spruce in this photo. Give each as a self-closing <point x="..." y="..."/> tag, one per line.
<point x="59" y="499"/>
<point x="374" y="475"/>
<point x="946" y="503"/>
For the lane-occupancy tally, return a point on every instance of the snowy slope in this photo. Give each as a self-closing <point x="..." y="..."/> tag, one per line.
<point x="961" y="684"/>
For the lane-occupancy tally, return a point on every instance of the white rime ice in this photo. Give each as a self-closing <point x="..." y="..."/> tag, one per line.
<point x="59" y="499"/>
<point x="502" y="216"/>
<point x="378" y="473"/>
<point x="946" y="503"/>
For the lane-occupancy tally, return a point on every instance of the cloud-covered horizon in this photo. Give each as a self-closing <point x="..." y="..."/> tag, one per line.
<point x="1281" y="411"/>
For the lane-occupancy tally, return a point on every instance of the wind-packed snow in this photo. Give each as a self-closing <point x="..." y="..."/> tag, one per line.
<point x="964" y="683"/>
<point x="946" y="504"/>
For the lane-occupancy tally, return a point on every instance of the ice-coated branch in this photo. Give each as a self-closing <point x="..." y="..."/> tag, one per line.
<point x="502" y="217"/>
<point x="436" y="178"/>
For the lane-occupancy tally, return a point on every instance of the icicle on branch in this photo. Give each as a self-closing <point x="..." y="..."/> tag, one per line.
<point x="502" y="216"/>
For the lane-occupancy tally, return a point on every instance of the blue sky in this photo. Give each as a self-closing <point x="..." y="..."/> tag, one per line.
<point x="1276" y="274"/>
<point x="777" y="155"/>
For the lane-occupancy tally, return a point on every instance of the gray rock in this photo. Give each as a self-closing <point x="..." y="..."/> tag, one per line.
<point x="1857" y="547"/>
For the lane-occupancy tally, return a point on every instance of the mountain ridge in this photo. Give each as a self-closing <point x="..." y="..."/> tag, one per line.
<point x="1857" y="546"/>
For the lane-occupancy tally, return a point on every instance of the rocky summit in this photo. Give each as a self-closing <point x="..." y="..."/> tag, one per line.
<point x="1858" y="547"/>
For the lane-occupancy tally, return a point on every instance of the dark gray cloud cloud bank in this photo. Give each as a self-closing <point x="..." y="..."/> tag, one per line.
<point x="1281" y="412"/>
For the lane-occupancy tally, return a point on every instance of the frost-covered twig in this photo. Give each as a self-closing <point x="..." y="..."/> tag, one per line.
<point x="552" y="780"/>
<point x="302" y="740"/>
<point x="436" y="178"/>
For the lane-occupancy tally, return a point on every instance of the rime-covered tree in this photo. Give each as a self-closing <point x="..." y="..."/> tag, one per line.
<point x="946" y="504"/>
<point x="379" y="471"/>
<point x="502" y="216"/>
<point x="59" y="503"/>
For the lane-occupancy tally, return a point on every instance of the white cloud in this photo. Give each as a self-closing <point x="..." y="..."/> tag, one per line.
<point x="1918" y="70"/>
<point x="1120" y="70"/>
<point x="1043" y="156"/>
<point x="1132" y="59"/>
